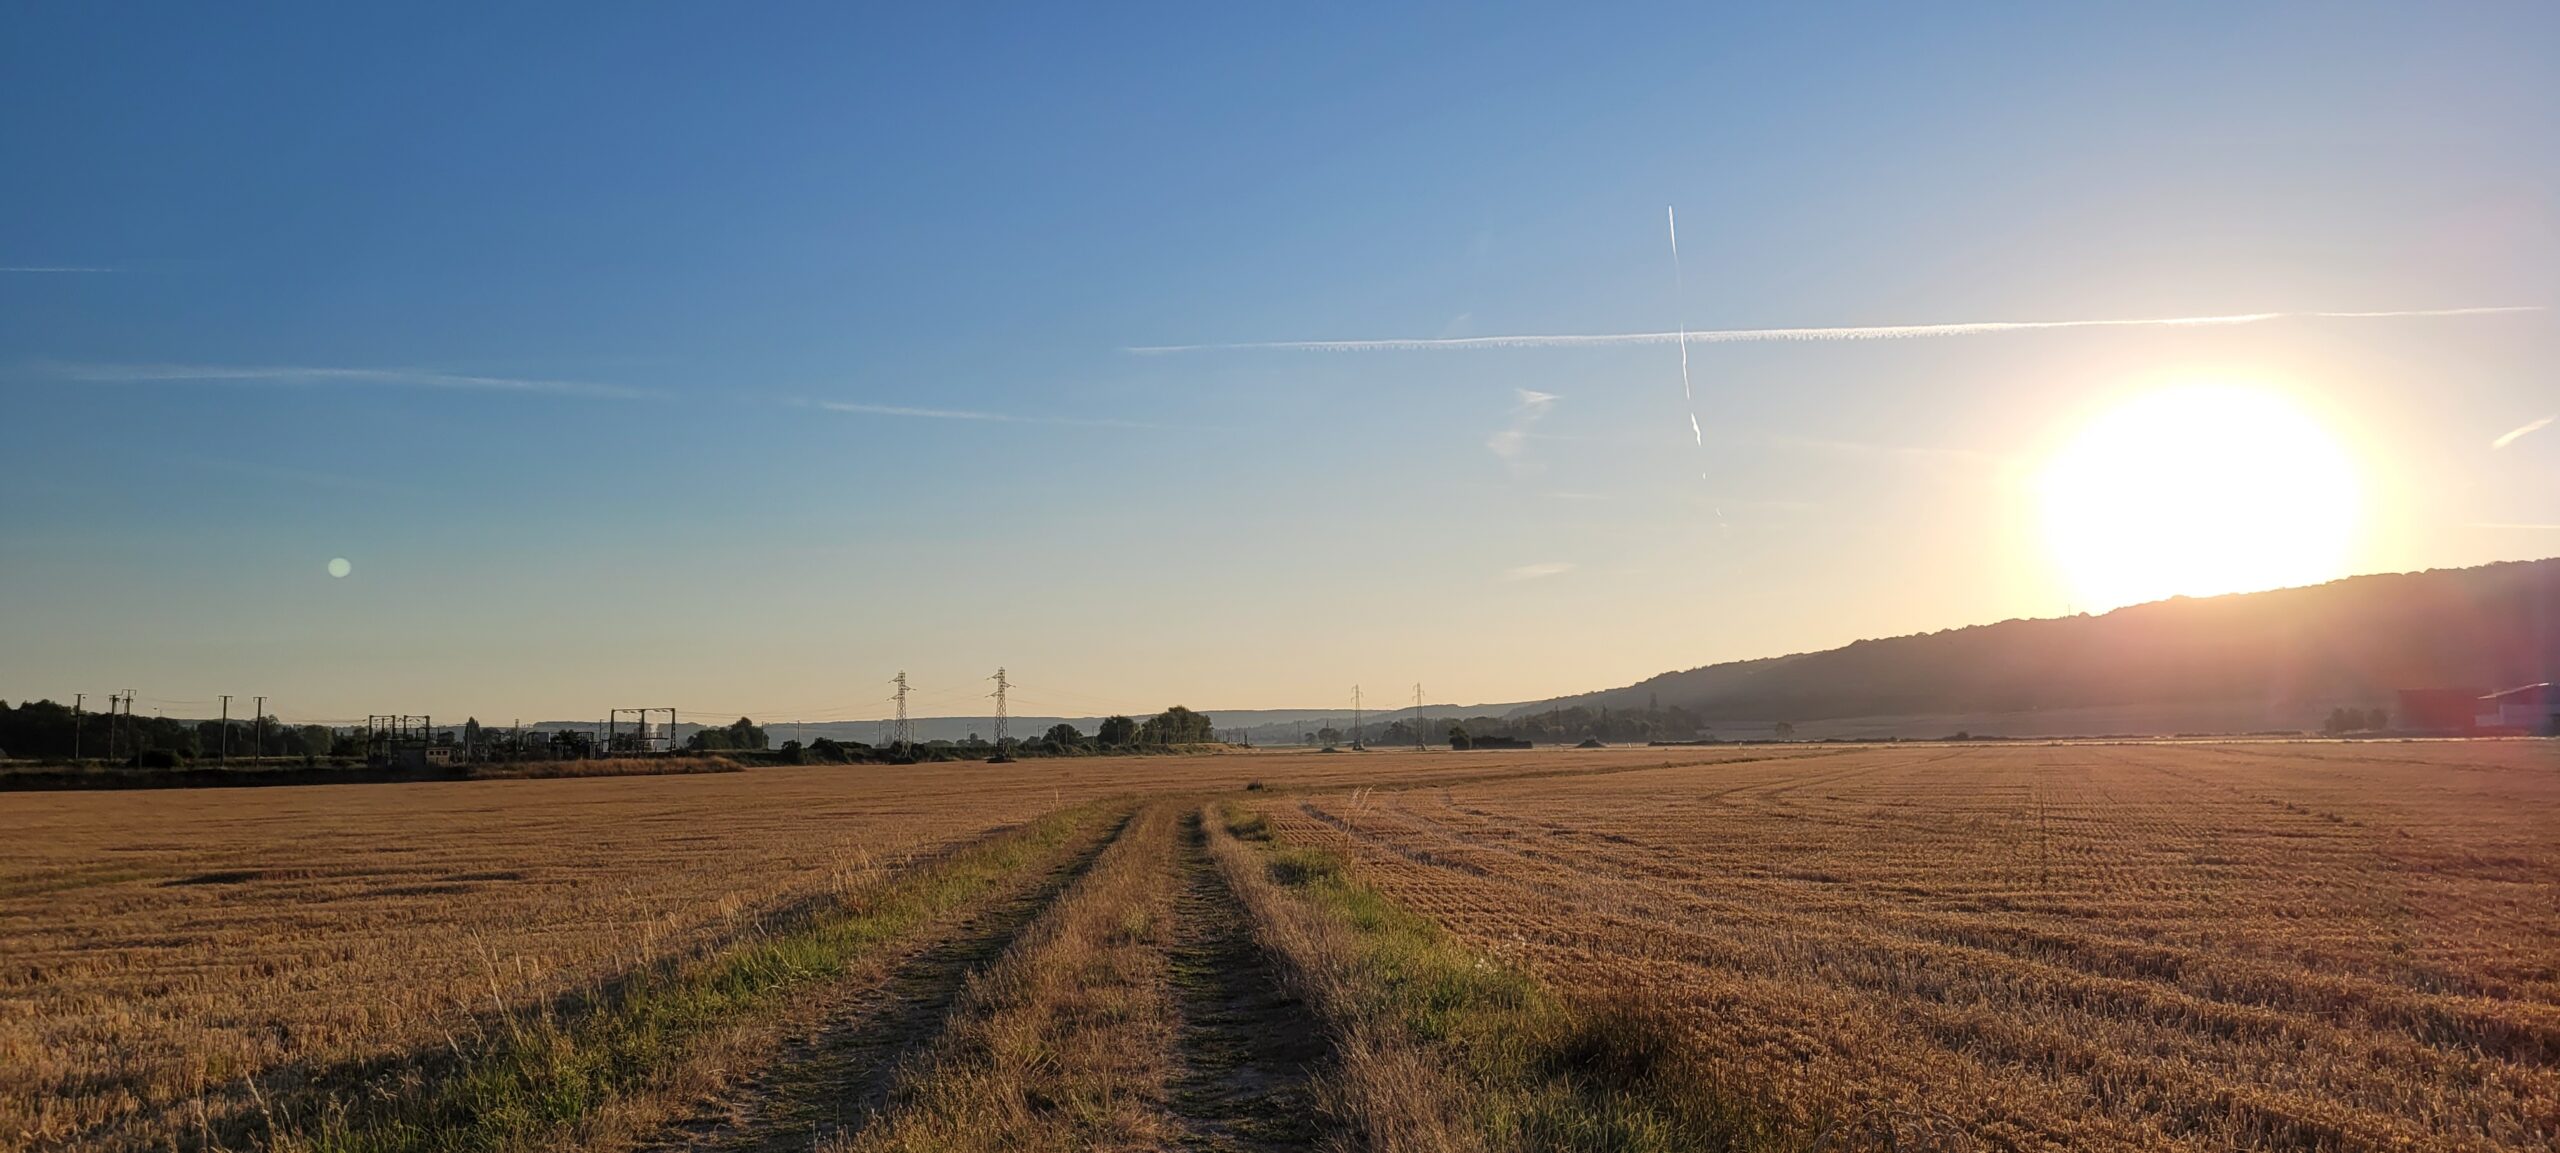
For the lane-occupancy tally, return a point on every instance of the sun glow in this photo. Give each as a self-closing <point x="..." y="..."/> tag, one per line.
<point x="2198" y="490"/>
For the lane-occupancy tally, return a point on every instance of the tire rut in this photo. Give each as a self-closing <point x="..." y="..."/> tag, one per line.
<point x="1248" y="1047"/>
<point x="832" y="1078"/>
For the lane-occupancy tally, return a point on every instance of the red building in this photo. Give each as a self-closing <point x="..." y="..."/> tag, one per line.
<point x="2449" y="712"/>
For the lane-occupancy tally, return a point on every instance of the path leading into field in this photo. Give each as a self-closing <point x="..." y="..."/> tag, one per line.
<point x="849" y="1038"/>
<point x="1115" y="995"/>
<point x="1247" y="1043"/>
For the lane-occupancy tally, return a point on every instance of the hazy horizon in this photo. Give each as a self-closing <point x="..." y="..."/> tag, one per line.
<point x="738" y="363"/>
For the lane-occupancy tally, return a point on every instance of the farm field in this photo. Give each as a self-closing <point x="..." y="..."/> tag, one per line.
<point x="2177" y="945"/>
<point x="163" y="951"/>
<point x="2080" y="946"/>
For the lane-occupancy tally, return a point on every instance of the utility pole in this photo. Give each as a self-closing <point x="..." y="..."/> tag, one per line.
<point x="1358" y="718"/>
<point x="261" y="750"/>
<point x="225" y="756"/>
<point x="77" y="699"/>
<point x="1417" y="714"/>
<point x="1001" y="685"/>
<point x="132" y="737"/>
<point x="905" y="733"/>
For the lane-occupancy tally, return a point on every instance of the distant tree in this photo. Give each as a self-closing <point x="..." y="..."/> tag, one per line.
<point x="471" y="734"/>
<point x="1176" y="726"/>
<point x="2337" y="722"/>
<point x="1116" y="732"/>
<point x="828" y="751"/>
<point x="793" y="754"/>
<point x="2377" y="718"/>
<point x="707" y="740"/>
<point x="1063" y="735"/>
<point x="1785" y="731"/>
<point x="1329" y="735"/>
<point x="1458" y="736"/>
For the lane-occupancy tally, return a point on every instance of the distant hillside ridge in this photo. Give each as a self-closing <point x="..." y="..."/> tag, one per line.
<point x="2279" y="658"/>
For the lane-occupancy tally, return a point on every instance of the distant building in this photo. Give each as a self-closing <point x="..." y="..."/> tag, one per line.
<point x="2527" y="709"/>
<point x="2446" y="712"/>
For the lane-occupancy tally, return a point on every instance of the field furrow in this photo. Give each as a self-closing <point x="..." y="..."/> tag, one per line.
<point x="838" y="1055"/>
<point x="1248" y="1046"/>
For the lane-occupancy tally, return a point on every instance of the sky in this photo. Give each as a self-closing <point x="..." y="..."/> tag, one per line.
<point x="736" y="358"/>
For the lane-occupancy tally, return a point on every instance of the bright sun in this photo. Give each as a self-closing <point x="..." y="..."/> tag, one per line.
<point x="2198" y="490"/>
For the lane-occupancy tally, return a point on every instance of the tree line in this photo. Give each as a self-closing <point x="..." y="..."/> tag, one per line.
<point x="47" y="730"/>
<point x="51" y="730"/>
<point x="1174" y="726"/>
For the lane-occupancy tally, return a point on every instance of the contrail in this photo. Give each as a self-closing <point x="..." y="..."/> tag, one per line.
<point x="1680" y="316"/>
<point x="2521" y="433"/>
<point x="1683" y="337"/>
<point x="306" y="375"/>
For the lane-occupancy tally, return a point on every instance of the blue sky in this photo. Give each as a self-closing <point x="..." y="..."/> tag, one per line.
<point x="605" y="344"/>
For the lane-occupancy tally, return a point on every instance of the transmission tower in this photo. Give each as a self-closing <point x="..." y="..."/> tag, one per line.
<point x="904" y="734"/>
<point x="1358" y="719"/>
<point x="1417" y="715"/>
<point x="1001" y="685"/>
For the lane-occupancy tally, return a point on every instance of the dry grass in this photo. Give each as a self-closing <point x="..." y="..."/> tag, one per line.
<point x="628" y="1058"/>
<point x="162" y="949"/>
<point x="1442" y="1046"/>
<point x="1386" y="1091"/>
<point x="2152" y="946"/>
<point x="1066" y="1042"/>
<point x="603" y="767"/>
<point x="2336" y="946"/>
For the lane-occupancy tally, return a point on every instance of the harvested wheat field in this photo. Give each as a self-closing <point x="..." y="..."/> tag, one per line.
<point x="169" y="956"/>
<point x="2351" y="946"/>
<point x="2311" y="945"/>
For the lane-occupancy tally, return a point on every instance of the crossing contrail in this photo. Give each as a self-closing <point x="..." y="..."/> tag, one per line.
<point x="1684" y="337"/>
<point x="1680" y="316"/>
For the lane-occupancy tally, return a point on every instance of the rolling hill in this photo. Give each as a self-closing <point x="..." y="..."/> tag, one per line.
<point x="2270" y="660"/>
